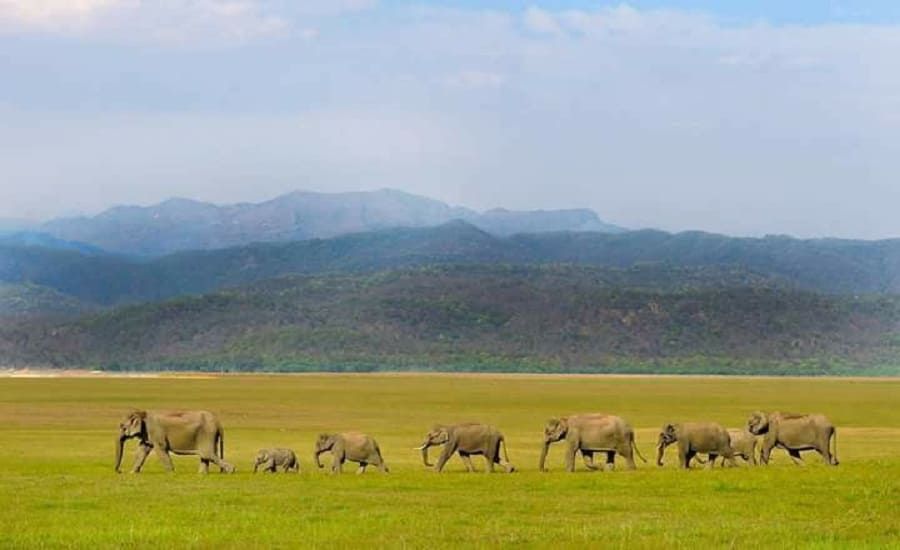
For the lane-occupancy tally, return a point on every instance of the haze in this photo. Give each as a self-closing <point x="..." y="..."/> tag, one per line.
<point x="675" y="115"/>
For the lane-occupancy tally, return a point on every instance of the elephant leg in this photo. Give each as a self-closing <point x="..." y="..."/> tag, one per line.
<point x="588" y="458"/>
<point x="362" y="468"/>
<point x="795" y="456"/>
<point x="571" y="450"/>
<point x="337" y="465"/>
<point x="140" y="457"/>
<point x="448" y="450"/>
<point x="204" y="466"/>
<point x="684" y="456"/>
<point x="507" y="467"/>
<point x="489" y="459"/>
<point x="686" y="459"/>
<point x="165" y="458"/>
<point x="711" y="460"/>
<point x="766" y="451"/>
<point x="225" y="466"/>
<point x="467" y="460"/>
<point x="611" y="461"/>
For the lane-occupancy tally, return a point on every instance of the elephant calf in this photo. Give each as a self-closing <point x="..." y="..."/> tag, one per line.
<point x="694" y="438"/>
<point x="743" y="443"/>
<point x="272" y="459"/>
<point x="352" y="446"/>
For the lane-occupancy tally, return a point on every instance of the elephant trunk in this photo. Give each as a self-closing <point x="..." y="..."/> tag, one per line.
<point x="316" y="457"/>
<point x="425" y="455"/>
<point x="544" y="451"/>
<point x="659" y="454"/>
<point x="120" y="444"/>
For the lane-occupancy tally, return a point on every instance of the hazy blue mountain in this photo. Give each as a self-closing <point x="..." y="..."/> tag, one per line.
<point x="14" y="225"/>
<point x="706" y="260"/>
<point x="181" y="224"/>
<point x="32" y="238"/>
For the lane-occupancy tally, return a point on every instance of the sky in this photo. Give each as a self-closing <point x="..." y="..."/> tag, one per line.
<point x="743" y="118"/>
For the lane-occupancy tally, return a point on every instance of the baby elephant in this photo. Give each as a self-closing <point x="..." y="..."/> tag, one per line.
<point x="272" y="459"/>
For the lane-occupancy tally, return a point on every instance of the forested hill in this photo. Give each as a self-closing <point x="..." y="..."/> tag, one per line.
<point x="831" y="266"/>
<point x="527" y="319"/>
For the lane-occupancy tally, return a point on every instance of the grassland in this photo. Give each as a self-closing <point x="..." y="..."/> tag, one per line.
<point x="58" y="488"/>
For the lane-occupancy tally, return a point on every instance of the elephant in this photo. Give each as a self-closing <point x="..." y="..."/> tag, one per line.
<point x="179" y="432"/>
<point x="693" y="438"/>
<point x="467" y="439"/>
<point x="743" y="443"/>
<point x="590" y="433"/>
<point x="794" y="433"/>
<point x="352" y="446"/>
<point x="272" y="459"/>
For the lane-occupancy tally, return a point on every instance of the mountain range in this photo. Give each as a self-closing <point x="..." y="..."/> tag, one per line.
<point x="183" y="224"/>
<point x="384" y="287"/>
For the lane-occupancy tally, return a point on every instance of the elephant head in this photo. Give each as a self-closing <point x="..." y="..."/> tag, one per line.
<point x="437" y="436"/>
<point x="555" y="430"/>
<point x="758" y="423"/>
<point x="323" y="444"/>
<point x="667" y="436"/>
<point x="133" y="425"/>
<point x="261" y="458"/>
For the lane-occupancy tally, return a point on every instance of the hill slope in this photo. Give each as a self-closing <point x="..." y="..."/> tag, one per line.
<point x="478" y="318"/>
<point x="831" y="266"/>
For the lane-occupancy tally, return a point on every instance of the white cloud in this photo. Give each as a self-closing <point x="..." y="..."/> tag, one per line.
<point x="654" y="118"/>
<point x="168" y="22"/>
<point x="475" y="79"/>
<point x="540" y="21"/>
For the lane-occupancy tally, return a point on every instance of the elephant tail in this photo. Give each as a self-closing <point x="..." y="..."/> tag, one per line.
<point x="222" y="444"/>
<point x="834" y="458"/>
<point x="637" y="451"/>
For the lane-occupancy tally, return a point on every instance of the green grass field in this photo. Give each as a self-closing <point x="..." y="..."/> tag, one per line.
<point x="59" y="490"/>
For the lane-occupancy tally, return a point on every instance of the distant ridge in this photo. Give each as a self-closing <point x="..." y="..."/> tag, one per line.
<point x="822" y="265"/>
<point x="183" y="224"/>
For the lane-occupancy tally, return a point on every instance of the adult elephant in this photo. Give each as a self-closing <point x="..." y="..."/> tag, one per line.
<point x="590" y="433"/>
<point x="467" y="439"/>
<point x="179" y="432"/>
<point x="693" y="438"/>
<point x="794" y="433"/>
<point x="352" y="446"/>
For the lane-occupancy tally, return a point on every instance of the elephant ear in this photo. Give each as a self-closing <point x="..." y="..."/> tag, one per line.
<point x="137" y="418"/>
<point x="757" y="423"/>
<point x="562" y="425"/>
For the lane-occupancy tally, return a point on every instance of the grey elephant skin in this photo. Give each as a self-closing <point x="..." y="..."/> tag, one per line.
<point x="693" y="438"/>
<point x="352" y="446"/>
<point x="590" y="433"/>
<point x="272" y="459"/>
<point x="743" y="443"/>
<point x="178" y="432"/>
<point x="467" y="439"/>
<point x="794" y="433"/>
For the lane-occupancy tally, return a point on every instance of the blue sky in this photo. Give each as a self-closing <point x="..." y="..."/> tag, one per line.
<point x="744" y="118"/>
